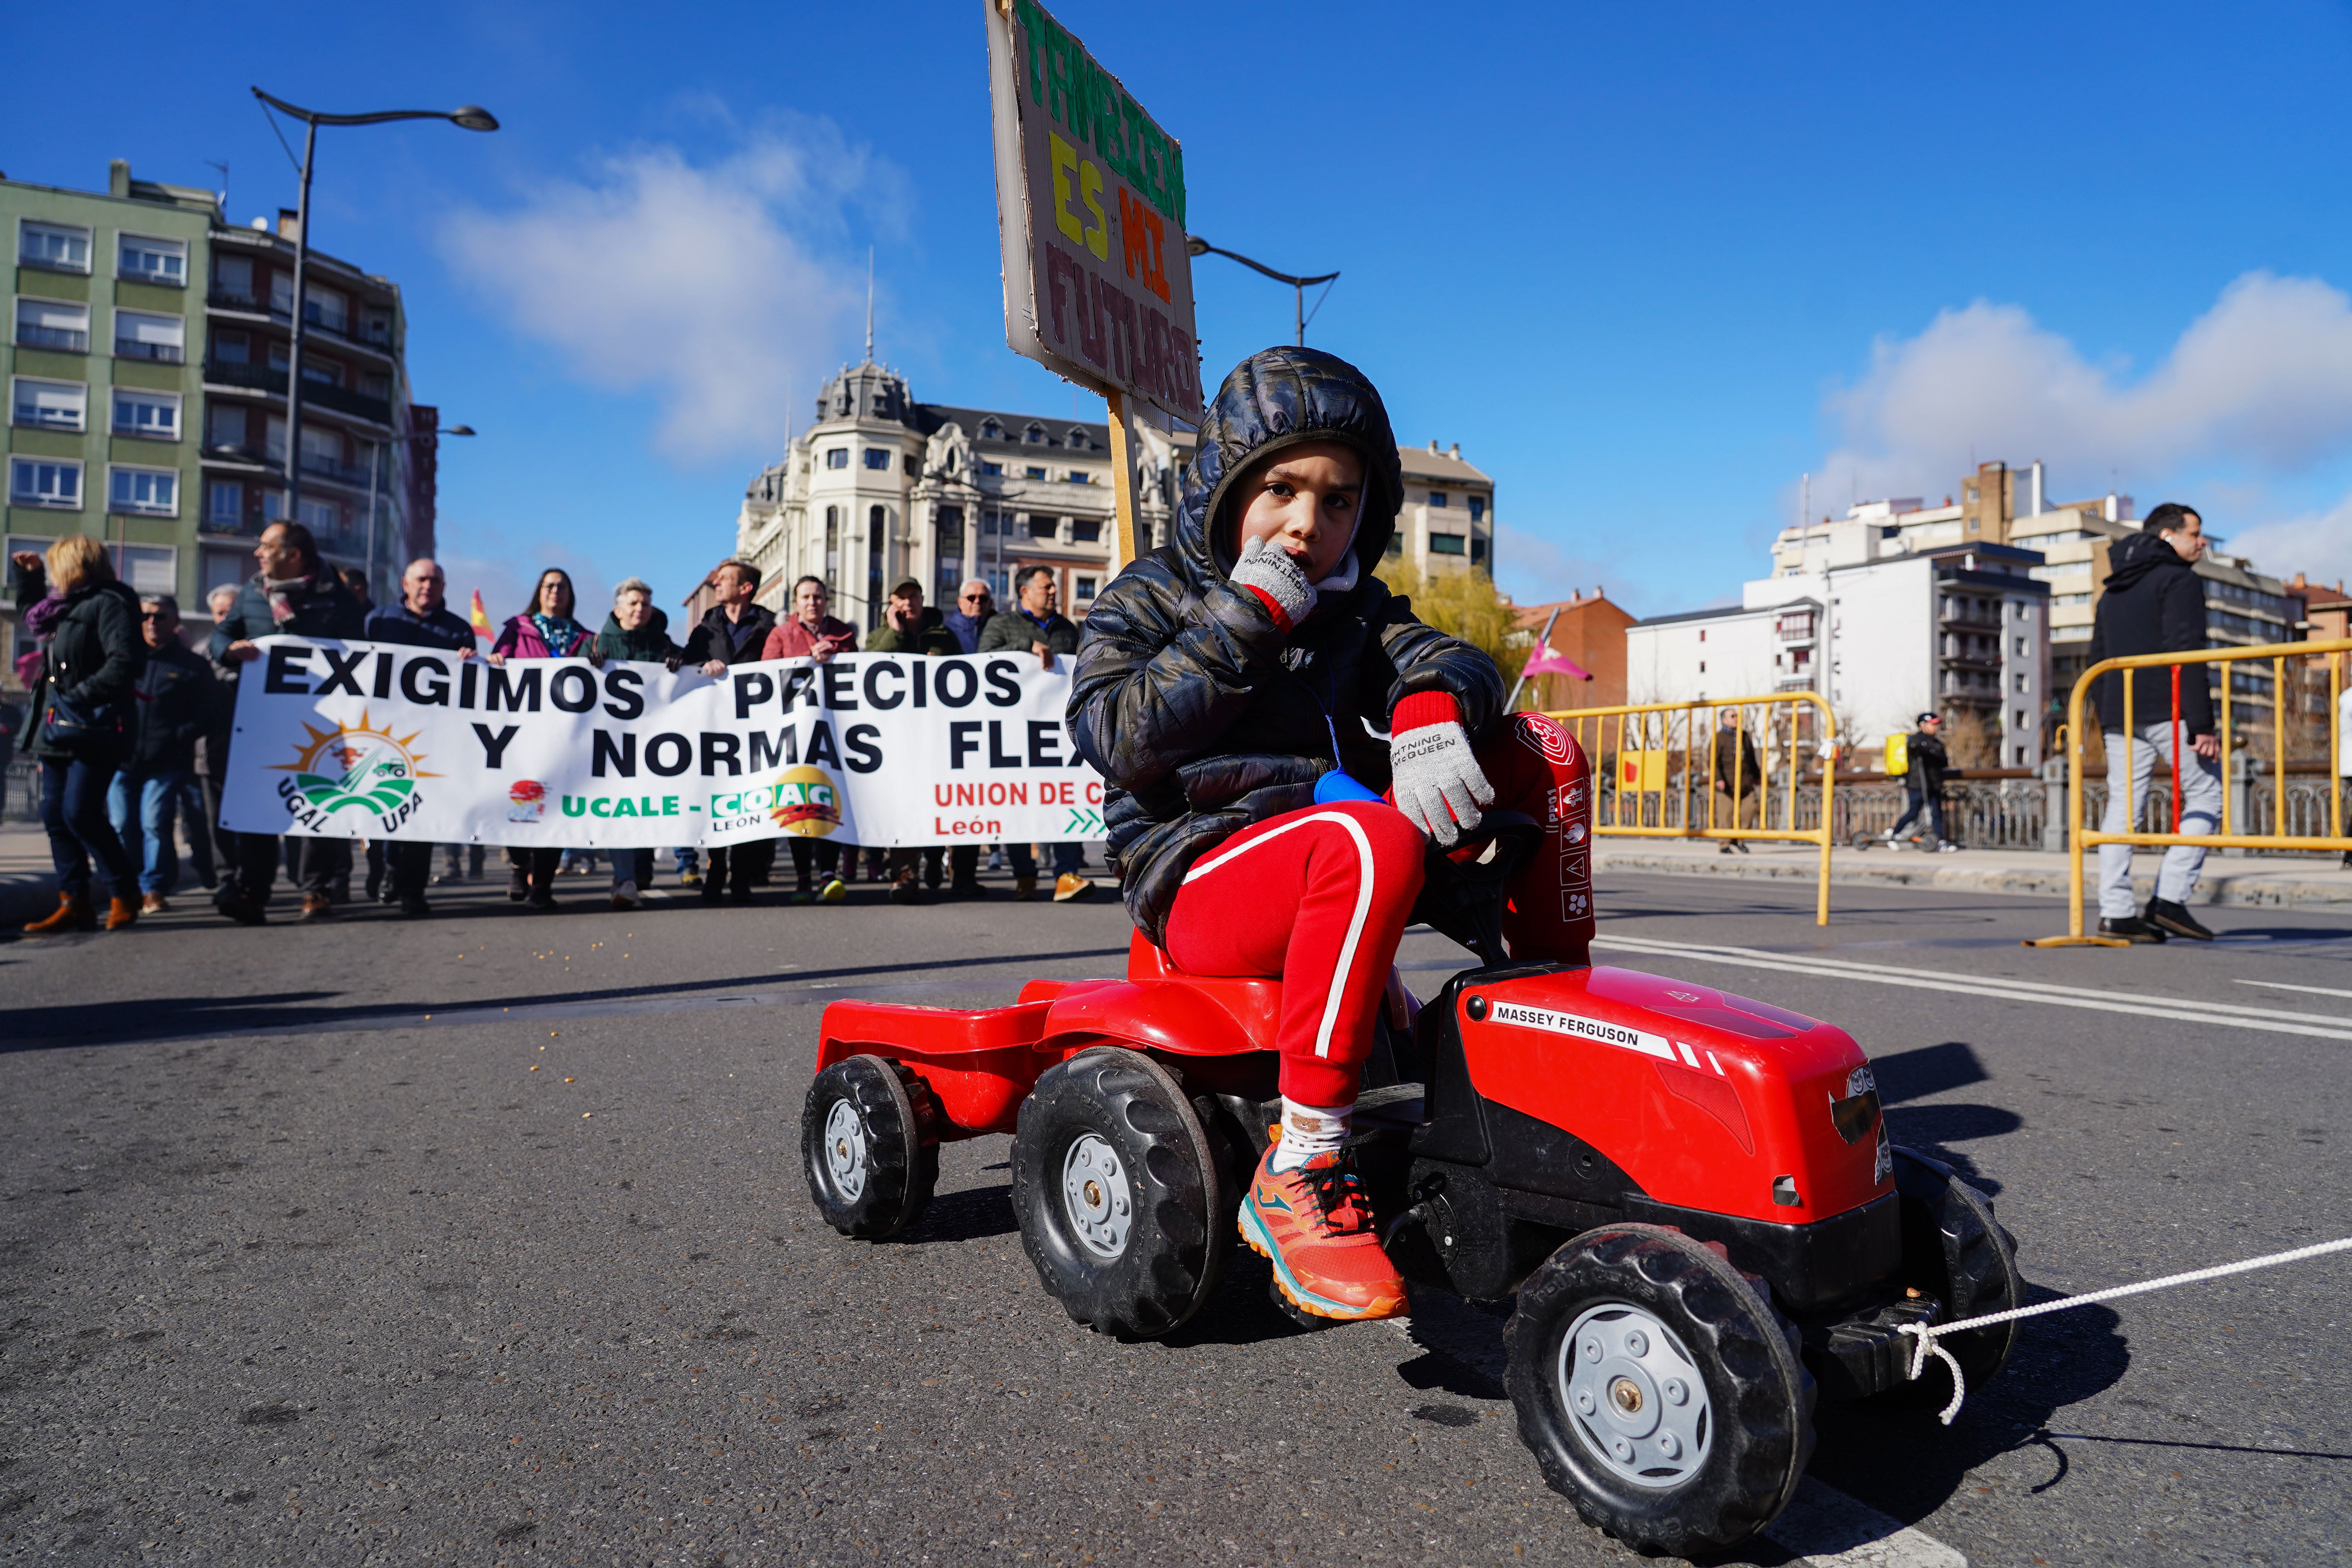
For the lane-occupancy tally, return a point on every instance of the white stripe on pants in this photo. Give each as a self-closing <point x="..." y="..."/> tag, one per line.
<point x="2201" y="812"/>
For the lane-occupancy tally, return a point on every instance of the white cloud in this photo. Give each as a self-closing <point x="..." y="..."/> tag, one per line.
<point x="724" y="288"/>
<point x="2262" y="380"/>
<point x="2318" y="544"/>
<point x="1533" y="570"/>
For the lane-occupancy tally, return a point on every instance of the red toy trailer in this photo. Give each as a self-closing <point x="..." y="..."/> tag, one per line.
<point x="1691" y="1194"/>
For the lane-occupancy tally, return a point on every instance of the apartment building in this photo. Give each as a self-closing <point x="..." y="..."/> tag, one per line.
<point x="146" y="372"/>
<point x="1447" y="522"/>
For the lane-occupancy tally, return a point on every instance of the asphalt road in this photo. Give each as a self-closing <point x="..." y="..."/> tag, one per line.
<point x="482" y="1239"/>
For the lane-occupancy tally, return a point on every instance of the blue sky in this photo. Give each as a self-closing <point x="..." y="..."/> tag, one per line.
<point x="1647" y="265"/>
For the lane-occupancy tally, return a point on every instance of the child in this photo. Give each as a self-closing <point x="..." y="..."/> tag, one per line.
<point x="1219" y="678"/>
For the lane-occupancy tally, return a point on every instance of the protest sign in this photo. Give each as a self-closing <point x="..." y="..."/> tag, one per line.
<point x="367" y="740"/>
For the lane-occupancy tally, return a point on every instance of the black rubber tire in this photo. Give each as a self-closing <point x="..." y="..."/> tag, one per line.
<point x="1955" y="1250"/>
<point x="902" y="1160"/>
<point x="1761" y="1396"/>
<point x="1182" y="1231"/>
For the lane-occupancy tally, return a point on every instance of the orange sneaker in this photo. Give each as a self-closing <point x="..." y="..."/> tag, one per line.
<point x="1314" y="1226"/>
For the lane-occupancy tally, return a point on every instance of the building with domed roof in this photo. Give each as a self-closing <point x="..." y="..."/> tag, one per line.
<point x="882" y="487"/>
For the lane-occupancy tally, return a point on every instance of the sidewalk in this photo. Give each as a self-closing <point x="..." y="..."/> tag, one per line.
<point x="2300" y="880"/>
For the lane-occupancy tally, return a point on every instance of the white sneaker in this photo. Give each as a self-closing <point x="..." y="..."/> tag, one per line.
<point x="1948" y="848"/>
<point x="625" y="897"/>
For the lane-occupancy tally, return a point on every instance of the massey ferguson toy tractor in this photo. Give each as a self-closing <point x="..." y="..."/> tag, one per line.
<point x="1690" y="1196"/>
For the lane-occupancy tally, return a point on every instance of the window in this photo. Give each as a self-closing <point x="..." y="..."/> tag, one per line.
<point x="831" y="550"/>
<point x="233" y="281"/>
<point x="1035" y="435"/>
<point x="1477" y="509"/>
<point x="2023" y="685"/>
<point x="322" y="518"/>
<point x="49" y="405"/>
<point x="146" y="261"/>
<point x="1438" y="498"/>
<point x="990" y="430"/>
<point x="989" y="470"/>
<point x="2024" y="646"/>
<point x="232" y="348"/>
<point x="910" y="465"/>
<point x="837" y="456"/>
<point x="1448" y="544"/>
<point x="281" y="294"/>
<point x="376" y="326"/>
<point x="149" y="492"/>
<point x="148" y="568"/>
<point x="280" y="355"/>
<point x="153" y="414"/>
<point x="377" y="386"/>
<point x="140" y="335"/>
<point x="58" y="247"/>
<point x="1080" y="477"/>
<point x="273" y="439"/>
<point x="52" y="324"/>
<point x="1032" y="473"/>
<point x="1085" y="531"/>
<point x="1079" y="440"/>
<point x="1044" y="528"/>
<point x="224" y="503"/>
<point x="1396" y="543"/>
<point x="317" y="371"/>
<point x="878" y="457"/>
<point x="1086" y="588"/>
<point x="45" y="482"/>
<point x="1477" y="550"/>
<point x="988" y="521"/>
<point x="328" y="308"/>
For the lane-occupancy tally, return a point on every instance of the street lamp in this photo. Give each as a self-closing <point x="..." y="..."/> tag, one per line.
<point x="1195" y="246"/>
<point x="472" y="117"/>
<point x="375" y="451"/>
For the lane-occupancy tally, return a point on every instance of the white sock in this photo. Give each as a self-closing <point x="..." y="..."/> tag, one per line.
<point x="1308" y="1131"/>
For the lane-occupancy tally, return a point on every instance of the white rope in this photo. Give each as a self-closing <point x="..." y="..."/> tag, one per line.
<point x="1924" y="1338"/>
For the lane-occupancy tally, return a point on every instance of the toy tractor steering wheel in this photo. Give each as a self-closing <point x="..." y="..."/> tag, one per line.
<point x="1462" y="896"/>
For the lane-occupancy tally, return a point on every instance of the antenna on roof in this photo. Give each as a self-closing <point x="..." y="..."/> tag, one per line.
<point x="869" y="304"/>
<point x="222" y="164"/>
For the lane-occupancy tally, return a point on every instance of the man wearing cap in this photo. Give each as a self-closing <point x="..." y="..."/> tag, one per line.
<point x="1924" y="778"/>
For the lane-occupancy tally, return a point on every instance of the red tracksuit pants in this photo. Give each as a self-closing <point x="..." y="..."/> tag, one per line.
<point x="1320" y="898"/>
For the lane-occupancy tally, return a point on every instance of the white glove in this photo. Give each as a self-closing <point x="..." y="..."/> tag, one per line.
<point x="1437" y="782"/>
<point x="1272" y="572"/>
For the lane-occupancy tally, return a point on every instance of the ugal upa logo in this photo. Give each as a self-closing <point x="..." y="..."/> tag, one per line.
<point x="353" y="765"/>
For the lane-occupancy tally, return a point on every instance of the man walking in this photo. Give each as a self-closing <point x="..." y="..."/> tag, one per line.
<point x="2155" y="603"/>
<point x="421" y="619"/>
<point x="295" y="593"/>
<point x="175" y="697"/>
<point x="733" y="631"/>
<point x="1926" y="763"/>
<point x="1037" y="627"/>
<point x="1739" y="779"/>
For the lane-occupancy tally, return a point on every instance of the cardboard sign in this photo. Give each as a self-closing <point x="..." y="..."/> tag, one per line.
<point x="1090" y="206"/>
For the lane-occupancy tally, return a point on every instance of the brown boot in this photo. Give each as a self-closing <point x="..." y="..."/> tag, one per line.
<point x="1023" y="888"/>
<point x="71" y="914"/>
<point x="122" y="912"/>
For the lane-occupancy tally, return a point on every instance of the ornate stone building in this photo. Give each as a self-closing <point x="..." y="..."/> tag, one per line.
<point x="882" y="487"/>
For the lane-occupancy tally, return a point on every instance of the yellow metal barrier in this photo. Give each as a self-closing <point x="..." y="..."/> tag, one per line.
<point x="2078" y="841"/>
<point x="1644" y="768"/>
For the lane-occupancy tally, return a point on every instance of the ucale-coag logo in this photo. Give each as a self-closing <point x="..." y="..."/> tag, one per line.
<point x="355" y="766"/>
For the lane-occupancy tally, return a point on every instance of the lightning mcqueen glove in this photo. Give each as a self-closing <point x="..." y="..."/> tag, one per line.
<point x="1436" y="780"/>
<point x="1280" y="584"/>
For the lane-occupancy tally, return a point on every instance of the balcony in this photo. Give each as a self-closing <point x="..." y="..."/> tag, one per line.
<point x="162" y="354"/>
<point x="229" y="300"/>
<point x="62" y="338"/>
<point x="260" y="378"/>
<point x="332" y="469"/>
<point x="317" y="394"/>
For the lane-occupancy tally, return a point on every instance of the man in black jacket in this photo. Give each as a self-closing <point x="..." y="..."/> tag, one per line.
<point x="295" y="593"/>
<point x="1925" y="763"/>
<point x="2155" y="603"/>
<point x="421" y="619"/>
<point x="733" y="631"/>
<point x="1036" y="626"/>
<point x="175" y="701"/>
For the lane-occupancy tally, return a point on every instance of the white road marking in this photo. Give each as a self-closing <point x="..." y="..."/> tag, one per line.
<point x="2283" y="985"/>
<point x="2182" y="1010"/>
<point x="1830" y="1529"/>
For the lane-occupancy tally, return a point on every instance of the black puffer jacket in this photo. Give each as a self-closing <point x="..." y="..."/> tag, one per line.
<point x="93" y="659"/>
<point x="2154" y="602"/>
<point x="1201" y="716"/>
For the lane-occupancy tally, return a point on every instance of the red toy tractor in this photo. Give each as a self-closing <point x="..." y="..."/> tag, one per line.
<point x="1691" y="1195"/>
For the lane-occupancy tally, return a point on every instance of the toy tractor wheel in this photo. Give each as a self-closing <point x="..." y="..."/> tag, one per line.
<point x="1955" y="1250"/>
<point x="1660" y="1390"/>
<point x="1126" y="1209"/>
<point x="862" y="1146"/>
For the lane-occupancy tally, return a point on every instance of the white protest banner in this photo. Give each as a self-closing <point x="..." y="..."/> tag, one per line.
<point x="367" y="740"/>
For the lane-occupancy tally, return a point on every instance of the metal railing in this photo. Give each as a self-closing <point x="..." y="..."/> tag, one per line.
<point x="30" y="336"/>
<point x="1672" y="763"/>
<point x="2282" y="802"/>
<point x="162" y="354"/>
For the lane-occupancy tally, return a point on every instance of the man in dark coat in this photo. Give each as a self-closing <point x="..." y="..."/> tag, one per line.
<point x="975" y="607"/>
<point x="1035" y="625"/>
<point x="422" y="619"/>
<point x="733" y="631"/>
<point x="2155" y="603"/>
<point x="1925" y="763"/>
<point x="909" y="627"/>
<point x="176" y="697"/>
<point x="1221" y="680"/>
<point x="295" y="593"/>
<point x="1738" y="778"/>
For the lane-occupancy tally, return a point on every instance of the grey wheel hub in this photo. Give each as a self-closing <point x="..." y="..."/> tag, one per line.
<point x="1097" y="1195"/>
<point x="845" y="1150"/>
<point x="1635" y="1397"/>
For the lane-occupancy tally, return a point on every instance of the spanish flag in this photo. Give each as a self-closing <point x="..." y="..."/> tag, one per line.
<point x="482" y="627"/>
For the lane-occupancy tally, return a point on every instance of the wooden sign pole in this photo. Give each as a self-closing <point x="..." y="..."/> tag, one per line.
<point x="1122" y="456"/>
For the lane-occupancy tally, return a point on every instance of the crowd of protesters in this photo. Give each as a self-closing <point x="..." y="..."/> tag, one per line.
<point x="131" y="729"/>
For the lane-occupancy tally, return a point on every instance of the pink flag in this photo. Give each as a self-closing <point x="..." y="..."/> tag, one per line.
<point x="1547" y="662"/>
